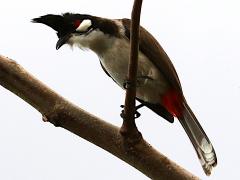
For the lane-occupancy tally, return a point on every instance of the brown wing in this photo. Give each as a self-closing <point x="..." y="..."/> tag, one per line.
<point x="149" y="46"/>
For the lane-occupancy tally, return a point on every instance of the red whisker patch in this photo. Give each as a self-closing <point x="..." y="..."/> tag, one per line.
<point x="77" y="23"/>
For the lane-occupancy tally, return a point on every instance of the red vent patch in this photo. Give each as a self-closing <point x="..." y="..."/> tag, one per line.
<point x="77" y="23"/>
<point x="172" y="101"/>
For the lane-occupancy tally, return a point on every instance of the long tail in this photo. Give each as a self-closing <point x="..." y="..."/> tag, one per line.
<point x="199" y="139"/>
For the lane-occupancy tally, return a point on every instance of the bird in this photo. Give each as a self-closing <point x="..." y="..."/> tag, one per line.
<point x="158" y="85"/>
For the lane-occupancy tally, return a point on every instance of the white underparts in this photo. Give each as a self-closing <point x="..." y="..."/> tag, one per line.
<point x="114" y="56"/>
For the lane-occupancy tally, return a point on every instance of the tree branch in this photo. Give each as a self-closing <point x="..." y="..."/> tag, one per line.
<point x="62" y="113"/>
<point x="129" y="125"/>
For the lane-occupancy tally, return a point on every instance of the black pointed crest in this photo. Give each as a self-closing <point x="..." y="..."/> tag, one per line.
<point x="54" y="21"/>
<point x="63" y="24"/>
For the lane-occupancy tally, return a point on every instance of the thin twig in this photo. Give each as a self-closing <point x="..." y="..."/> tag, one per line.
<point x="129" y="125"/>
<point x="60" y="112"/>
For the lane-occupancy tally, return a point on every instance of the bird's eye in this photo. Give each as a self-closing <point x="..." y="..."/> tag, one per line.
<point x="83" y="26"/>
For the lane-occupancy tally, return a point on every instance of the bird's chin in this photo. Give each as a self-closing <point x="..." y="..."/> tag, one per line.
<point x="71" y="39"/>
<point x="79" y="41"/>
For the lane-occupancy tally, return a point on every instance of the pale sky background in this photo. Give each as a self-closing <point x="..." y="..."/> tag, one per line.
<point x="202" y="38"/>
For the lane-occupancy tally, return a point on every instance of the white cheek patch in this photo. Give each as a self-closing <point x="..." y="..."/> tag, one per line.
<point x="84" y="25"/>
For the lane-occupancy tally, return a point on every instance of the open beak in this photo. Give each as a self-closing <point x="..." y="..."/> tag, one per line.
<point x="57" y="23"/>
<point x="62" y="40"/>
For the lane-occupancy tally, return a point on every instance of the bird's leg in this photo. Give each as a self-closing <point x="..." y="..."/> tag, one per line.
<point x="141" y="80"/>
<point x="137" y="114"/>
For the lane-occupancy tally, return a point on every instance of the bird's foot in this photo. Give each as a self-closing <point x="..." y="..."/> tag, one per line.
<point x="136" y="115"/>
<point x="127" y="84"/>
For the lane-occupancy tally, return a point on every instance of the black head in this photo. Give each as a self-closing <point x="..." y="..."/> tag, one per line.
<point x="80" y="24"/>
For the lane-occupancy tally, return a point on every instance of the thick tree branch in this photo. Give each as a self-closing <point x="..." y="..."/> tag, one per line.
<point x="129" y="125"/>
<point x="62" y="113"/>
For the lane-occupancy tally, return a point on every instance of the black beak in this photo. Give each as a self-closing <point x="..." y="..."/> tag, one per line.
<point x="62" y="40"/>
<point x="57" y="22"/>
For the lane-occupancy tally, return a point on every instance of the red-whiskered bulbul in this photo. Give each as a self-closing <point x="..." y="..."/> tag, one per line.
<point x="158" y="85"/>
